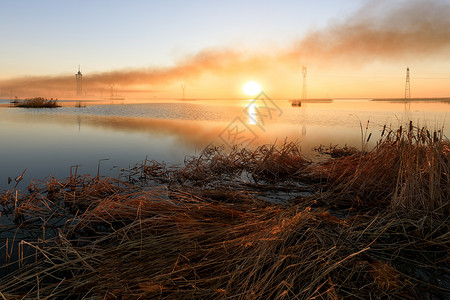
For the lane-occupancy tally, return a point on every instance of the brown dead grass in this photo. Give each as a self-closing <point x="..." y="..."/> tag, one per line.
<point x="376" y="229"/>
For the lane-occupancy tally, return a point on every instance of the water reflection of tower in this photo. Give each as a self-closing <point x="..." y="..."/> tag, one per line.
<point x="79" y="123"/>
<point x="79" y="78"/>
<point x="304" y="116"/>
<point x="304" y="96"/>
<point x="407" y="91"/>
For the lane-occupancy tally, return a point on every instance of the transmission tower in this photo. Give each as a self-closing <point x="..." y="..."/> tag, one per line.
<point x="79" y="78"/>
<point x="304" y="82"/>
<point x="183" y="89"/>
<point x="408" y="85"/>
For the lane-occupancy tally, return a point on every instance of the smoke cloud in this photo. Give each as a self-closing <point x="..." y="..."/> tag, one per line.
<point x="379" y="31"/>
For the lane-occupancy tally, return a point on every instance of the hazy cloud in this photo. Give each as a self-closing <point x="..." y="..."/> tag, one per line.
<point x="382" y="30"/>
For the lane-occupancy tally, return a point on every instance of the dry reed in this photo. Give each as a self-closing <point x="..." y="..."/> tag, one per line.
<point x="408" y="169"/>
<point x="37" y="102"/>
<point x="203" y="233"/>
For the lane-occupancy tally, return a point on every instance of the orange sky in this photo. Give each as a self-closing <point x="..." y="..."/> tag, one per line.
<point x="365" y="55"/>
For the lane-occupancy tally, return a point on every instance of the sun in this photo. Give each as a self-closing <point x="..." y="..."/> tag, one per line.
<point x="252" y="88"/>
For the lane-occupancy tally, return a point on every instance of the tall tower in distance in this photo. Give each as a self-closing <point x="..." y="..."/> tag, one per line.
<point x="407" y="85"/>
<point x="79" y="78"/>
<point x="304" y="71"/>
<point x="183" y="90"/>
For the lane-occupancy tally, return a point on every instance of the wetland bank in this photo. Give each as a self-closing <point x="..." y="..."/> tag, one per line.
<point x="261" y="223"/>
<point x="272" y="220"/>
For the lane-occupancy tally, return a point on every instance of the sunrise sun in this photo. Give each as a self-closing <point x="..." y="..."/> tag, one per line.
<point x="252" y="88"/>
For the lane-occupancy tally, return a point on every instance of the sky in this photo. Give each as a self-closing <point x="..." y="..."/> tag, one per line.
<point x="150" y="49"/>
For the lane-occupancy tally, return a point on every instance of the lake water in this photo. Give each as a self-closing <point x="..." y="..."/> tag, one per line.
<point x="47" y="142"/>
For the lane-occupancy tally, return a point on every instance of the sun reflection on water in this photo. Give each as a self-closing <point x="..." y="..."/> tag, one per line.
<point x="252" y="113"/>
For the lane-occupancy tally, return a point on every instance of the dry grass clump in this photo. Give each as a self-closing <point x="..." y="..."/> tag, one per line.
<point x="265" y="165"/>
<point x="408" y="169"/>
<point x="203" y="234"/>
<point x="37" y="102"/>
<point x="240" y="176"/>
<point x="334" y="151"/>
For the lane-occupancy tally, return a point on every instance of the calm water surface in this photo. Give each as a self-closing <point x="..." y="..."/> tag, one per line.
<point x="47" y="142"/>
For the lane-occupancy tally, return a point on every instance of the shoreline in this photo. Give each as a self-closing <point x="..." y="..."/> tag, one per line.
<point x="444" y="99"/>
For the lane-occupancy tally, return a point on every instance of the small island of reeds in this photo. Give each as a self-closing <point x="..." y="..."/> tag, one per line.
<point x="36" y="102"/>
<point x="358" y="225"/>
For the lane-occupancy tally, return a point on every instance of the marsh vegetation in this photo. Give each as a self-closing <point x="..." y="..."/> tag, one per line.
<point x="361" y="224"/>
<point x="36" y="102"/>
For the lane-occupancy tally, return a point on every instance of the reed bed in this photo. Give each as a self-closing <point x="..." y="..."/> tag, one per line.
<point x="203" y="230"/>
<point x="37" y="102"/>
<point x="408" y="169"/>
<point x="267" y="163"/>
